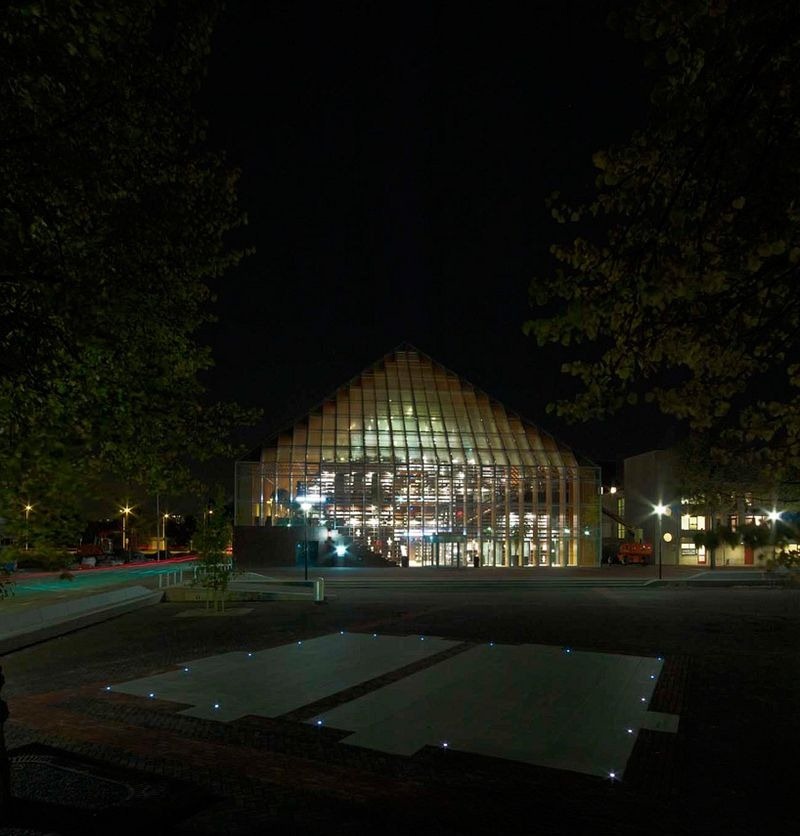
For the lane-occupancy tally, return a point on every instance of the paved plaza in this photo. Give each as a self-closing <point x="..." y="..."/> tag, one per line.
<point x="537" y="704"/>
<point x="334" y="718"/>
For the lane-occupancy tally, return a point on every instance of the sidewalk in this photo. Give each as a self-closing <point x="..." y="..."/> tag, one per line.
<point x="43" y="605"/>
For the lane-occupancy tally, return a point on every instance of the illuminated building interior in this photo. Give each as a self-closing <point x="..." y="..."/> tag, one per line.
<point x="414" y="463"/>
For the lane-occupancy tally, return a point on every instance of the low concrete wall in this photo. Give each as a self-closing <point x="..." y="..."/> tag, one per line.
<point x="187" y="595"/>
<point x="24" y="626"/>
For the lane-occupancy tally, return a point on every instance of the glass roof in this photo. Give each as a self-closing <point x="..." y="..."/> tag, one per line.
<point x="407" y="408"/>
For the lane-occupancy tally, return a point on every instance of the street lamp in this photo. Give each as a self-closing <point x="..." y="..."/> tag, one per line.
<point x="206" y="514"/>
<point x="28" y="509"/>
<point x="773" y="516"/>
<point x="164" y="530"/>
<point x="306" y="504"/>
<point x="660" y="511"/>
<point x="125" y="511"/>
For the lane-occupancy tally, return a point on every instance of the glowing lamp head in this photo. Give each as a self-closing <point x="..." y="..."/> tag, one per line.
<point x="661" y="509"/>
<point x="306" y="506"/>
<point x="341" y="551"/>
<point x="773" y="515"/>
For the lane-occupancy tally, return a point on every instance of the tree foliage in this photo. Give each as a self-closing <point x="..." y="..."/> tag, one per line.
<point x="114" y="223"/>
<point x="680" y="285"/>
<point x="215" y="567"/>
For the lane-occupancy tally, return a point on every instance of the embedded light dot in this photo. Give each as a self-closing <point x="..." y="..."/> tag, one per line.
<point x="108" y="687"/>
<point x="491" y="644"/>
<point x="319" y="722"/>
<point x="422" y="638"/>
<point x="374" y="635"/>
<point x="643" y="699"/>
<point x="299" y="642"/>
<point x="341" y="632"/>
<point x="445" y="745"/>
<point x="612" y="775"/>
<point x="216" y="705"/>
<point x="152" y="696"/>
<point x="249" y="654"/>
<point x="659" y="659"/>
<point x="186" y="670"/>
<point x="652" y="676"/>
<point x="630" y="731"/>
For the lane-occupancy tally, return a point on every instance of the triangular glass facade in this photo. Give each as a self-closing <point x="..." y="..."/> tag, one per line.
<point x="417" y="464"/>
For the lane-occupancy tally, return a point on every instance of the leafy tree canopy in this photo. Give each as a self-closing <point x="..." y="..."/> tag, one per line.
<point x="679" y="287"/>
<point x="114" y="219"/>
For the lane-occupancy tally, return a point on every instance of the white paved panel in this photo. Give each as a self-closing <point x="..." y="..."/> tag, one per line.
<point x="533" y="703"/>
<point x="280" y="679"/>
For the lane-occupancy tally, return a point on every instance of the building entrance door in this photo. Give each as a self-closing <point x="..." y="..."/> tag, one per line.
<point x="443" y="554"/>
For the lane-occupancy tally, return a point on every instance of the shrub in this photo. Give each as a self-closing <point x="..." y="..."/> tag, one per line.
<point x="46" y="558"/>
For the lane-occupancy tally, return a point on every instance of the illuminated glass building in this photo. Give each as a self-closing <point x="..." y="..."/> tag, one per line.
<point x="416" y="464"/>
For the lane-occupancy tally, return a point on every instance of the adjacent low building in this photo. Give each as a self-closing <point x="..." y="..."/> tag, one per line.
<point x="411" y="462"/>
<point x="651" y="482"/>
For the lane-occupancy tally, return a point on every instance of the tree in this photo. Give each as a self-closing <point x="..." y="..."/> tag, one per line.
<point x="755" y="537"/>
<point x="711" y="540"/>
<point x="114" y="225"/>
<point x="680" y="286"/>
<point x="212" y="539"/>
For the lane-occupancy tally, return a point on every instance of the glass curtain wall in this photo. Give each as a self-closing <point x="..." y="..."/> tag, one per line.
<point x="416" y="464"/>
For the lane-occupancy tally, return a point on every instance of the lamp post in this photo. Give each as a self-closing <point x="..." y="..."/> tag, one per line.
<point x="306" y="506"/>
<point x="125" y="511"/>
<point x="773" y="516"/>
<point x="660" y="510"/>
<point x="28" y="509"/>
<point x="164" y="531"/>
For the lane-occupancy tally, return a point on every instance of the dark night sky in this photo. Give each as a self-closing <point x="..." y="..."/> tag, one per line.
<point x="395" y="161"/>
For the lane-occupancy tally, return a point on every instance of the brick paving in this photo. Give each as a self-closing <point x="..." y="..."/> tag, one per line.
<point x="320" y="706"/>
<point x="260" y="774"/>
<point x="262" y="770"/>
<point x="252" y="766"/>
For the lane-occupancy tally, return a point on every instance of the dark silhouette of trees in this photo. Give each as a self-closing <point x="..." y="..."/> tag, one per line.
<point x="114" y="225"/>
<point x="679" y="285"/>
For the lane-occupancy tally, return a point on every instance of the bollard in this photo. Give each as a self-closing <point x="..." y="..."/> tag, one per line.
<point x="319" y="591"/>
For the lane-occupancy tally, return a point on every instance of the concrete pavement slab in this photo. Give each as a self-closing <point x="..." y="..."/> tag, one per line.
<point x="537" y="704"/>
<point x="281" y="679"/>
